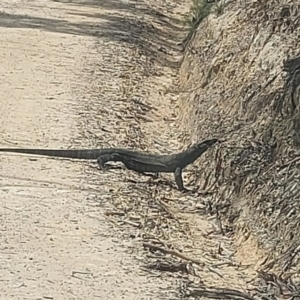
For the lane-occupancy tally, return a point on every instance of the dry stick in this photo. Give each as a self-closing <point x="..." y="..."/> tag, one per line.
<point x="114" y="213"/>
<point x="216" y="272"/>
<point x="218" y="293"/>
<point x="173" y="252"/>
<point x="138" y="225"/>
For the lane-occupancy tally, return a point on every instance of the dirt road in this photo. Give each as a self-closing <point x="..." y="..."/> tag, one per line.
<point x="57" y="76"/>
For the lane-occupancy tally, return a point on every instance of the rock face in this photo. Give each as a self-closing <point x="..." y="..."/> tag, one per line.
<point x="242" y="71"/>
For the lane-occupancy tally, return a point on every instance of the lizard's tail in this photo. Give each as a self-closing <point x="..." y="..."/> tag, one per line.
<point x="68" y="153"/>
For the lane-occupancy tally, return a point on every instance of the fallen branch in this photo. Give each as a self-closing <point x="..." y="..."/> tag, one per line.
<point x="174" y="253"/>
<point x="168" y="267"/>
<point x="217" y="293"/>
<point x="114" y="213"/>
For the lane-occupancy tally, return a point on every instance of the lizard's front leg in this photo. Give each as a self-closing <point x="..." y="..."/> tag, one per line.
<point x="178" y="179"/>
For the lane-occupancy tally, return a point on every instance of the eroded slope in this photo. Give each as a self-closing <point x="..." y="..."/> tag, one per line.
<point x="234" y="84"/>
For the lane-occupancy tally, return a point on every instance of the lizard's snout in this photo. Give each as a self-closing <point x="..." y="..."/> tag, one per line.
<point x="210" y="142"/>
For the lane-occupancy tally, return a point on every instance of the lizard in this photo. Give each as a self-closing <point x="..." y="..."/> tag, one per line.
<point x="138" y="161"/>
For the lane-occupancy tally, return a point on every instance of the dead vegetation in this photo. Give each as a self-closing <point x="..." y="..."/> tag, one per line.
<point x="245" y="87"/>
<point x="234" y="85"/>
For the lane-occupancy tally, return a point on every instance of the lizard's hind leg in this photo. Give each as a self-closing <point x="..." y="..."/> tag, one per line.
<point x="138" y="168"/>
<point x="103" y="159"/>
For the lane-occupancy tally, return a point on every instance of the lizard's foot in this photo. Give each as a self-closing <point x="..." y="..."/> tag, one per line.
<point x="153" y="175"/>
<point x="101" y="165"/>
<point x="185" y="190"/>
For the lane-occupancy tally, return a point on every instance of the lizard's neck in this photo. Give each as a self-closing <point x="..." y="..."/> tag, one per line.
<point x="191" y="154"/>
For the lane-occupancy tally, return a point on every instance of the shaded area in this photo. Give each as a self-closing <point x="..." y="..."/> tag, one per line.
<point x="135" y="7"/>
<point x="155" y="34"/>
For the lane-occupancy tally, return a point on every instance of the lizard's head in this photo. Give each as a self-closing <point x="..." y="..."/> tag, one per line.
<point x="206" y="143"/>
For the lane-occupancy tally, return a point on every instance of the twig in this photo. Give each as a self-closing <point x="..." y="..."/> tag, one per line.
<point x="217" y="293"/>
<point x="114" y="213"/>
<point x="168" y="267"/>
<point x="216" y="272"/>
<point x="138" y="225"/>
<point x="174" y="253"/>
<point x="82" y="273"/>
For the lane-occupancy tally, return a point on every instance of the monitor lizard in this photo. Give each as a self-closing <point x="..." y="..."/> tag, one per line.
<point x="138" y="161"/>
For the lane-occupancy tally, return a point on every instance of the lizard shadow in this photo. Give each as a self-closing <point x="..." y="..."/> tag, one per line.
<point x="154" y="179"/>
<point x="154" y="176"/>
<point x="161" y="182"/>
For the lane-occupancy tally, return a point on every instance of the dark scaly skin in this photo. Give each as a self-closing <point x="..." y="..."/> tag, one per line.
<point x="133" y="160"/>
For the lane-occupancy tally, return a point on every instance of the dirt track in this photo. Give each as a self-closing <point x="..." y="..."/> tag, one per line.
<point x="57" y="75"/>
<point x="73" y="75"/>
